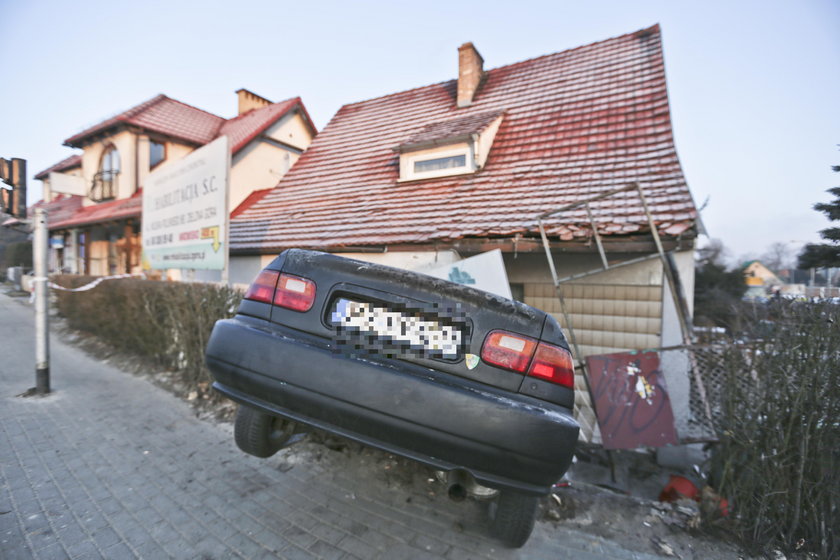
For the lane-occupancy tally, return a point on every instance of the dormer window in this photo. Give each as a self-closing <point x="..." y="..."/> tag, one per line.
<point x="446" y="148"/>
<point x="436" y="162"/>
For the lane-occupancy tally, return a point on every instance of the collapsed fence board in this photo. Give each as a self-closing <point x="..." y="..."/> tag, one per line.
<point x="670" y="284"/>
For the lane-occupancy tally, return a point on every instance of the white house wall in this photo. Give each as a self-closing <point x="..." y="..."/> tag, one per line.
<point x="174" y="152"/>
<point x="291" y="129"/>
<point x="260" y="165"/>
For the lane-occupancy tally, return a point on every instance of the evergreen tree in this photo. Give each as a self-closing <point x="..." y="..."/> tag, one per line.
<point x="717" y="288"/>
<point x="825" y="255"/>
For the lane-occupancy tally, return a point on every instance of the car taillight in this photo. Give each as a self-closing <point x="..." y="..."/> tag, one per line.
<point x="262" y="289"/>
<point x="515" y="352"/>
<point x="294" y="292"/>
<point x="553" y="364"/>
<point x="507" y="350"/>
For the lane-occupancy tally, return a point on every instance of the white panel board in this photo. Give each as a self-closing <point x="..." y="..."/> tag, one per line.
<point x="67" y="184"/>
<point x="485" y="272"/>
<point x="185" y="211"/>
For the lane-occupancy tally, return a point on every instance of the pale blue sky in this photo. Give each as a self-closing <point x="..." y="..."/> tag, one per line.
<point x="754" y="85"/>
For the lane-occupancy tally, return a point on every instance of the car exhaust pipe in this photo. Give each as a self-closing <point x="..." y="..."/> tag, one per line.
<point x="460" y="484"/>
<point x="457" y="493"/>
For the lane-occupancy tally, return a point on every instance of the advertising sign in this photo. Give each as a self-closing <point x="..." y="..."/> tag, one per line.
<point x="484" y="272"/>
<point x="67" y="184"/>
<point x="185" y="211"/>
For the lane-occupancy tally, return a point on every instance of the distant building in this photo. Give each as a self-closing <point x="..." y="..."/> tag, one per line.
<point x="468" y="165"/>
<point x="96" y="230"/>
<point x="761" y="281"/>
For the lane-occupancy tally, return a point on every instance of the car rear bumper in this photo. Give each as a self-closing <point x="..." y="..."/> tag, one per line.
<point x="504" y="440"/>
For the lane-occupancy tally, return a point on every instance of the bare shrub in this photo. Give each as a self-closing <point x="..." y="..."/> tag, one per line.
<point x="778" y="460"/>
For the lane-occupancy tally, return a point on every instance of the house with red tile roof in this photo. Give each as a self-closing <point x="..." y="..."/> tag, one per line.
<point x="95" y="221"/>
<point x="471" y="164"/>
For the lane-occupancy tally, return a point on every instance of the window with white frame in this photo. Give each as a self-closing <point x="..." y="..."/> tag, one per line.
<point x="437" y="162"/>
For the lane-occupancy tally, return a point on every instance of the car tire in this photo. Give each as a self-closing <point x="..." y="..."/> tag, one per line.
<point x="514" y="515"/>
<point x="260" y="434"/>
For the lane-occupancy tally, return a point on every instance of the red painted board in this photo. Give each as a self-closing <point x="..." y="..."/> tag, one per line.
<point x="631" y="400"/>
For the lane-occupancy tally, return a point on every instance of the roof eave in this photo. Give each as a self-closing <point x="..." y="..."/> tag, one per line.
<point x="417" y="146"/>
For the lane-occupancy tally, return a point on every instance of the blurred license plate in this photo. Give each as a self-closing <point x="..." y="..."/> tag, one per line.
<point x="384" y="329"/>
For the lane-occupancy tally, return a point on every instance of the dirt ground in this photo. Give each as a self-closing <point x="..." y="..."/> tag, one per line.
<point x="639" y="524"/>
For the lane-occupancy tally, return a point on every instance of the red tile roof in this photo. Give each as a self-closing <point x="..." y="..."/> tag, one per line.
<point x="73" y="214"/>
<point x="249" y="201"/>
<point x="246" y="127"/>
<point x="451" y="130"/>
<point x="163" y="115"/>
<point x="174" y="119"/>
<point x="63" y="165"/>
<point x="61" y="209"/>
<point x="189" y="124"/>
<point x="577" y="123"/>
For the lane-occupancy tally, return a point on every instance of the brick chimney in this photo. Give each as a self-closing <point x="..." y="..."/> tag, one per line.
<point x="249" y="100"/>
<point x="470" y="73"/>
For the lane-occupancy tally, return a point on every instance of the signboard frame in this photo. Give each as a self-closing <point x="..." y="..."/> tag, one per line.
<point x="185" y="220"/>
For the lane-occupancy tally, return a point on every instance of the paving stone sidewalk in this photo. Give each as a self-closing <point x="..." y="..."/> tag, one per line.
<point x="110" y="466"/>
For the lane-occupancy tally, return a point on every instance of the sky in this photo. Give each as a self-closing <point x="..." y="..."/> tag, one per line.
<point x="754" y="86"/>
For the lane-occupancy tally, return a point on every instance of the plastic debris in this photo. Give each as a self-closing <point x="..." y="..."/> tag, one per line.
<point x="663" y="547"/>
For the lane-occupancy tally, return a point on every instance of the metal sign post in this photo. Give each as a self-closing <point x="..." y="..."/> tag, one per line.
<point x="42" y="340"/>
<point x="13" y="202"/>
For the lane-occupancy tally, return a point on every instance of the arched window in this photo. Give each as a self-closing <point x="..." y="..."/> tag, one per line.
<point x="105" y="181"/>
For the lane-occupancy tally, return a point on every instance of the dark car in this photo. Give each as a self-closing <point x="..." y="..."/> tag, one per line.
<point x="472" y="384"/>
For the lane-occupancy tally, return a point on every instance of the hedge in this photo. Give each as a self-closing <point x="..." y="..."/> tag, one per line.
<point x="778" y="458"/>
<point x="168" y="323"/>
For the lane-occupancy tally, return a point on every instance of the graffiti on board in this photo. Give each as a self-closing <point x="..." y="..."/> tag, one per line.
<point x="631" y="400"/>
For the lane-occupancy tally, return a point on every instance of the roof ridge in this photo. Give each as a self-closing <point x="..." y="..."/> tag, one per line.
<point x="60" y="165"/>
<point x="254" y="110"/>
<point x="192" y="107"/>
<point x="645" y="30"/>
<point x="216" y="130"/>
<point x="651" y="29"/>
<point x="274" y="110"/>
<point x="395" y="93"/>
<point x="140" y="107"/>
<point x="133" y="112"/>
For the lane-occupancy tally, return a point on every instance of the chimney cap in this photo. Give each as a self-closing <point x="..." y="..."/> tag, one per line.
<point x="469" y="45"/>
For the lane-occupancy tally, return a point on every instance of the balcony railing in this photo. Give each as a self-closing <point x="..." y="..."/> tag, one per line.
<point x="104" y="186"/>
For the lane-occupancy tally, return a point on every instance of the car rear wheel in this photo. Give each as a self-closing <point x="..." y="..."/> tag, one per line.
<point x="514" y="515"/>
<point x="260" y="434"/>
